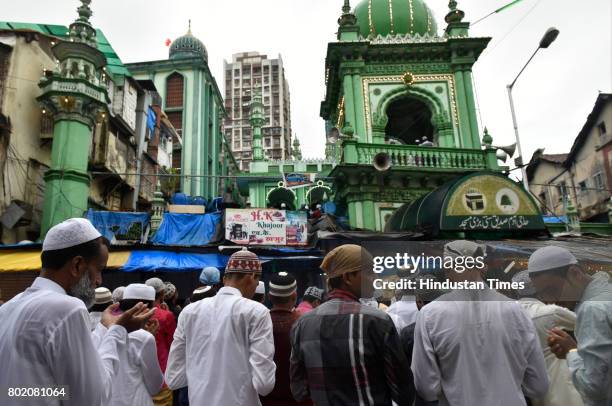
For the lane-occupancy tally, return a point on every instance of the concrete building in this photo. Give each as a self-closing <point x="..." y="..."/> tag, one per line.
<point x="246" y="73"/>
<point x="73" y="128"/>
<point x="584" y="175"/>
<point x="194" y="105"/>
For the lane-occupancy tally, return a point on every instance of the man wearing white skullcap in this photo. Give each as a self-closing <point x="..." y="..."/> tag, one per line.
<point x="140" y="376"/>
<point x="558" y="278"/>
<point x="223" y="348"/>
<point x="546" y="316"/>
<point x="163" y="336"/>
<point x="51" y="316"/>
<point x="102" y="300"/>
<point x="260" y="293"/>
<point x="477" y="330"/>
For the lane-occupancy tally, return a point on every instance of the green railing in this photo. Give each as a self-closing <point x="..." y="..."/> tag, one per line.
<point x="412" y="156"/>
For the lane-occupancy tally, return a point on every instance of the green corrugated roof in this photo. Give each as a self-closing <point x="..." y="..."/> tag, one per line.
<point x="114" y="65"/>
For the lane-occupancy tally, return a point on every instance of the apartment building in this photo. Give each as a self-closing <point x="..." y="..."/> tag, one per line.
<point x="246" y="73"/>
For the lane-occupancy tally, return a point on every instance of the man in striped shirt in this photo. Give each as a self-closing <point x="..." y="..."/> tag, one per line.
<point x="344" y="352"/>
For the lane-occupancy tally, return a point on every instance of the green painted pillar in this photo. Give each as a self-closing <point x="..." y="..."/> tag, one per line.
<point x="349" y="101"/>
<point x="359" y="126"/>
<point x="465" y="137"/>
<point x="471" y="107"/>
<point x="67" y="181"/>
<point x="75" y="96"/>
<point x="369" y="215"/>
<point x="352" y="214"/>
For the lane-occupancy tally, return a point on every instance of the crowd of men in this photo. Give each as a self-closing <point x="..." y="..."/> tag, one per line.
<point x="550" y="345"/>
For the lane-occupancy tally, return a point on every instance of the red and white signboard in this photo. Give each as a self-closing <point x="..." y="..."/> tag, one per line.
<point x="265" y="227"/>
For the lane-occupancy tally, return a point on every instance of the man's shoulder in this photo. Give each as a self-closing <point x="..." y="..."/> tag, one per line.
<point x="141" y="336"/>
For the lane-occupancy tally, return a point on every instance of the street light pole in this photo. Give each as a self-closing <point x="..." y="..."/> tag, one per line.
<point x="548" y="38"/>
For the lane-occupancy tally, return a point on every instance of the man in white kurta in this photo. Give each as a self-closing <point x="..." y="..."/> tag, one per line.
<point x="140" y="375"/>
<point x="403" y="312"/>
<point x="476" y="347"/>
<point x="545" y="317"/>
<point x="223" y="347"/>
<point x="45" y="337"/>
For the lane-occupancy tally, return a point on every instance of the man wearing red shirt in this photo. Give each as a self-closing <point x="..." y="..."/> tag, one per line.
<point x="163" y="337"/>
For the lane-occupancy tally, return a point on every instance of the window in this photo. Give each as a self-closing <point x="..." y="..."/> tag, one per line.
<point x="176" y="118"/>
<point x="601" y="127"/>
<point x="598" y="181"/>
<point x="562" y="191"/>
<point x="267" y="142"/>
<point x="174" y="90"/>
<point x="582" y="186"/>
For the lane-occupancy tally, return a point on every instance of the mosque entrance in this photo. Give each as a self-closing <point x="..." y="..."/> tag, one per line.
<point x="409" y="122"/>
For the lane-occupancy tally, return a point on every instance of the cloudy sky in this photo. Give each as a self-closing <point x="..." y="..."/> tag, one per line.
<point x="553" y="97"/>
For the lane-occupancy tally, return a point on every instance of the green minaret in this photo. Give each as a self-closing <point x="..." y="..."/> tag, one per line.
<point x="75" y="95"/>
<point x="257" y="121"/>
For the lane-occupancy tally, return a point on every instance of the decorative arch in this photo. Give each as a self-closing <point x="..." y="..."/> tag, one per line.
<point x="279" y="195"/>
<point x="440" y="119"/>
<point x="315" y="194"/>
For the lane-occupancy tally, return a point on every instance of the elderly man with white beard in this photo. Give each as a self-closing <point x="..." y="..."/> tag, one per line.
<point x="45" y="338"/>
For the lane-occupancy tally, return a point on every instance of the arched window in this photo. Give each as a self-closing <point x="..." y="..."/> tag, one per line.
<point x="409" y="121"/>
<point x="174" y="91"/>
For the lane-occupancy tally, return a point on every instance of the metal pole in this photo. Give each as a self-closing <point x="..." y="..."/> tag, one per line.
<point x="518" y="140"/>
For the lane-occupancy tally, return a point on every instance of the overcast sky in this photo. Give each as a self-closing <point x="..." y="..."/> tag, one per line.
<point x="553" y="97"/>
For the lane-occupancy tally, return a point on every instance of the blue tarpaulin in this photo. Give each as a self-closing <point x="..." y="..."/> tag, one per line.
<point x="151" y="121"/>
<point x="187" y="229"/>
<point x="555" y="219"/>
<point x="118" y="226"/>
<point x="165" y="261"/>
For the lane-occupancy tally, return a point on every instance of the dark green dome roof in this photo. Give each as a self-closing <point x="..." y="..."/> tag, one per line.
<point x="383" y="17"/>
<point x="188" y="46"/>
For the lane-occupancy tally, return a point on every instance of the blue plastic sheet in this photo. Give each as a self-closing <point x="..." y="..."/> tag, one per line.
<point x="167" y="261"/>
<point x="555" y="219"/>
<point x="119" y="226"/>
<point x="187" y="229"/>
<point x="151" y="121"/>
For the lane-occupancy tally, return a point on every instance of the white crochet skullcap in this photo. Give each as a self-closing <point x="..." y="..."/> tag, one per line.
<point x="139" y="291"/>
<point x="70" y="233"/>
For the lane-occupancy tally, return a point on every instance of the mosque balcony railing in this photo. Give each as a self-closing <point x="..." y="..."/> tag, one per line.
<point x="413" y="156"/>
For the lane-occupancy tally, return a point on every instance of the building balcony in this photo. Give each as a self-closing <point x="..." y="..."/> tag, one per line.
<point x="416" y="157"/>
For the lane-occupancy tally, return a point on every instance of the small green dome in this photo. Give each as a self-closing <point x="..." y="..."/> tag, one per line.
<point x="383" y="17"/>
<point x="188" y="46"/>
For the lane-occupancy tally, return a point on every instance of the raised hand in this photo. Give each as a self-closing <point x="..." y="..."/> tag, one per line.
<point x="560" y="342"/>
<point x="135" y="318"/>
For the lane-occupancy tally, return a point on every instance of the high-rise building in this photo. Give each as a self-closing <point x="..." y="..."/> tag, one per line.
<point x="247" y="72"/>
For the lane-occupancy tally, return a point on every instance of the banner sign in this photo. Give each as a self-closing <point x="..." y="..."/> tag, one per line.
<point x="265" y="227"/>
<point x="298" y="180"/>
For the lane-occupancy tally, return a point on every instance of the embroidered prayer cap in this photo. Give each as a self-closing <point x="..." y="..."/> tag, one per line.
<point x="346" y="259"/>
<point x="103" y="295"/>
<point x="528" y="289"/>
<point x="282" y="284"/>
<point x="243" y="261"/>
<point x="70" y="233"/>
<point x="169" y="290"/>
<point x="139" y="291"/>
<point x="118" y="294"/>
<point x="464" y="248"/>
<point x="156" y="284"/>
<point x="210" y="276"/>
<point x="314" y="292"/>
<point x="550" y="257"/>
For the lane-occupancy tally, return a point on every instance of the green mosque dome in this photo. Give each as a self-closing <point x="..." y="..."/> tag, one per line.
<point x="188" y="46"/>
<point x="383" y="17"/>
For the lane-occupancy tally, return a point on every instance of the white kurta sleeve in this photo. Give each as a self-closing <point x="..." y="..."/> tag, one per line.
<point x="98" y="334"/>
<point x="427" y="377"/>
<point x="261" y="353"/>
<point x="87" y="373"/>
<point x="149" y="365"/>
<point x="535" y="380"/>
<point x="590" y="365"/>
<point x="176" y="369"/>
